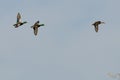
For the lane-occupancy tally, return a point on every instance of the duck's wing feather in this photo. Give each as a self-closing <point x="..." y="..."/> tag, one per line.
<point x="35" y="30"/>
<point x="18" y="17"/>
<point x="96" y="28"/>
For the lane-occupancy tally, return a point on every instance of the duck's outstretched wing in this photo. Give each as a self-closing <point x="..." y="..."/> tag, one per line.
<point x="96" y="28"/>
<point x="18" y="17"/>
<point x="35" y="30"/>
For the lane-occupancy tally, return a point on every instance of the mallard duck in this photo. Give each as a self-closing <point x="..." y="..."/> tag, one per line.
<point x="96" y="25"/>
<point x="19" y="23"/>
<point x="36" y="26"/>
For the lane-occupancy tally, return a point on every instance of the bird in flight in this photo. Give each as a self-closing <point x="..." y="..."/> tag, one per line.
<point x="19" y="22"/>
<point x="95" y="24"/>
<point x="36" y="26"/>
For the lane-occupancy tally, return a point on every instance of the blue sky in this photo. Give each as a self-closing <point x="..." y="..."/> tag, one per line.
<point x="67" y="47"/>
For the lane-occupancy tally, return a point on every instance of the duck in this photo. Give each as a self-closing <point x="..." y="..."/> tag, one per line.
<point x="36" y="26"/>
<point x="96" y="24"/>
<point x="19" y="23"/>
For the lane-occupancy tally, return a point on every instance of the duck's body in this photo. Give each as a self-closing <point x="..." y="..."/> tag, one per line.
<point x="19" y="23"/>
<point x="36" y="26"/>
<point x="96" y="25"/>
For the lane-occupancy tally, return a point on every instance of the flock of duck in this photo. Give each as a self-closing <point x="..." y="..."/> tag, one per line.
<point x="37" y="24"/>
<point x="20" y="23"/>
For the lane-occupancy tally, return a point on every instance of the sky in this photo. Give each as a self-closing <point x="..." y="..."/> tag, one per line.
<point x="67" y="47"/>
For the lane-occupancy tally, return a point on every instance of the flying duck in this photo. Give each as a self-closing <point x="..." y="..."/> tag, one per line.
<point x="19" y="23"/>
<point x="36" y="26"/>
<point x="95" y="24"/>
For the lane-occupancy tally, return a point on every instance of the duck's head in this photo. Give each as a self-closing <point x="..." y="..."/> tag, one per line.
<point x="42" y="24"/>
<point x="100" y="22"/>
<point x="24" y="22"/>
